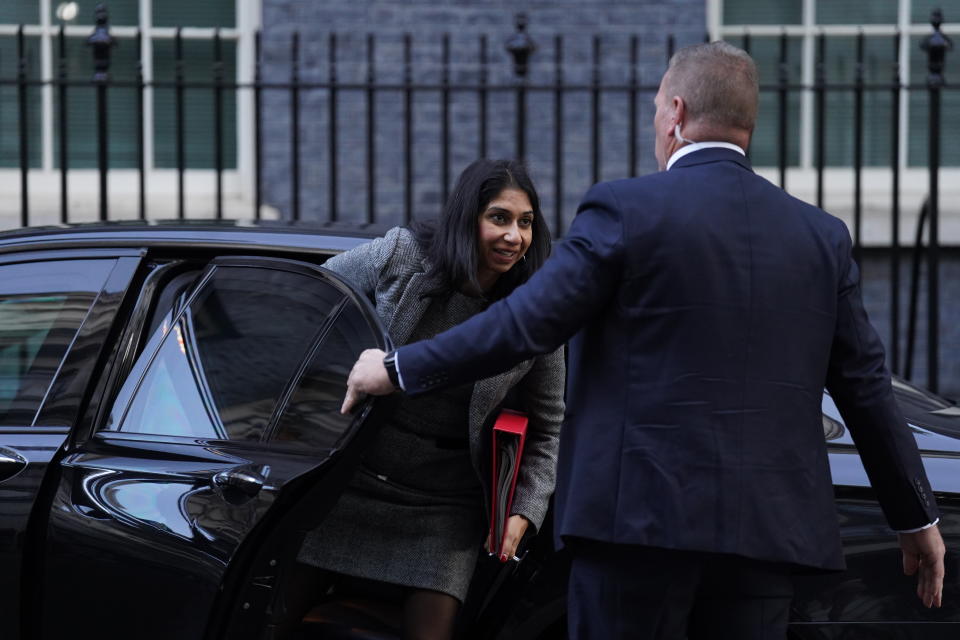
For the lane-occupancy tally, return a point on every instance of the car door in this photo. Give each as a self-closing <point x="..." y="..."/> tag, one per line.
<point x="872" y="598"/>
<point x="55" y="308"/>
<point x="227" y="418"/>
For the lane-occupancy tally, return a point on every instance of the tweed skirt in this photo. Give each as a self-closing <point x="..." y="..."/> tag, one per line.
<point x="384" y="531"/>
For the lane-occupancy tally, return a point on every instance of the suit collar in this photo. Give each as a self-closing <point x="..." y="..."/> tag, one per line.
<point x="711" y="154"/>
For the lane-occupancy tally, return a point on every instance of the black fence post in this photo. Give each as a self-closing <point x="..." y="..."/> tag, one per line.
<point x="821" y="92"/>
<point x="632" y="107"/>
<point x="371" y="131"/>
<point x="595" y="112"/>
<point x="782" y="111"/>
<point x="179" y="96"/>
<point x="482" y="98"/>
<point x="407" y="128"/>
<point x="445" y="117"/>
<point x="936" y="45"/>
<point x="218" y="119"/>
<point x="521" y="46"/>
<point x="558" y="135"/>
<point x="141" y="129"/>
<point x="895" y="210"/>
<point x="332" y="122"/>
<point x="858" y="154"/>
<point x="257" y="125"/>
<point x="62" y="112"/>
<point x="24" y="128"/>
<point x="295" y="132"/>
<point x="101" y="42"/>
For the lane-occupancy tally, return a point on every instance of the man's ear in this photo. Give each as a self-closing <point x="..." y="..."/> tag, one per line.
<point x="679" y="111"/>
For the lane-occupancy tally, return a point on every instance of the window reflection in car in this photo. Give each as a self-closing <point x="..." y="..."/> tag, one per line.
<point x="224" y="368"/>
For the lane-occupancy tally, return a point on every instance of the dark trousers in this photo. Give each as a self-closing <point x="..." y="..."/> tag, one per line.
<point x="640" y="593"/>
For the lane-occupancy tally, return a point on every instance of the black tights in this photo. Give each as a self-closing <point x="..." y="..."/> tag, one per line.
<point x="429" y="615"/>
<point x="424" y="614"/>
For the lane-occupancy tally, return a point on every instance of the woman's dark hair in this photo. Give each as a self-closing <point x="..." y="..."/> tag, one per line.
<point x="450" y="243"/>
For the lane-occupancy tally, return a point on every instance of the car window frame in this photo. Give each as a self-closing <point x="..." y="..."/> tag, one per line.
<point x="153" y="343"/>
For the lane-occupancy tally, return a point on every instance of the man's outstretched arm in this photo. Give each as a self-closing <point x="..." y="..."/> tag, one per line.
<point x="575" y="284"/>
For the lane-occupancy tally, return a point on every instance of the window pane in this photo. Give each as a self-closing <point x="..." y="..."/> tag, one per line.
<point x="119" y="12"/>
<point x="42" y="305"/>
<point x="9" y="103"/>
<point x="189" y="13"/>
<point x="82" y="107"/>
<point x="313" y="418"/>
<point x="920" y="11"/>
<point x="762" y="12"/>
<point x="223" y="367"/>
<point x="919" y="126"/>
<point x="764" y="147"/>
<point x="20" y="12"/>
<point x="857" y="11"/>
<point x="198" y="105"/>
<point x="840" y="67"/>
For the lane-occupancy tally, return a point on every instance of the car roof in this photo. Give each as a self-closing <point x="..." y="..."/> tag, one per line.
<point x="270" y="235"/>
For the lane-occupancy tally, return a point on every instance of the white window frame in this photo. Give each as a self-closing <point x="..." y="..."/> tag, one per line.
<point x="83" y="190"/>
<point x="839" y="181"/>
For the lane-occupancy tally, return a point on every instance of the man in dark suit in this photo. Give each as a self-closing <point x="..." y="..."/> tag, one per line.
<point x="706" y="310"/>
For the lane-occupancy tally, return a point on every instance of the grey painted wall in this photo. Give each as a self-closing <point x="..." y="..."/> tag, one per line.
<point x="465" y="20"/>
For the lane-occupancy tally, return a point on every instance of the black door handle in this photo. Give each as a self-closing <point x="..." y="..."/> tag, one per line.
<point x="10" y="464"/>
<point x="239" y="485"/>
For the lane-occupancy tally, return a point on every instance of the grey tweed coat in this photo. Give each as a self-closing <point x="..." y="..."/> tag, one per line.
<point x="392" y="272"/>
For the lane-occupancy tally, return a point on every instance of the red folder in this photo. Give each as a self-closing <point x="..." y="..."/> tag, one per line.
<point x="509" y="433"/>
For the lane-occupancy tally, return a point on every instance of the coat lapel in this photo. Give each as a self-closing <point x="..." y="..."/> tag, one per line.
<point x="487" y="393"/>
<point x="410" y="308"/>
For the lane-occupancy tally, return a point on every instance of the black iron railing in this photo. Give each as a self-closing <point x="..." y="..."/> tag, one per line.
<point x="410" y="85"/>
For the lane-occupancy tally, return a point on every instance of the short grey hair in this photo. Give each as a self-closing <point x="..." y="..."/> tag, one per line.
<point x="718" y="84"/>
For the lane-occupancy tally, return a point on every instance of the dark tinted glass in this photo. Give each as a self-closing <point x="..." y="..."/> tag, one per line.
<point x="20" y="11"/>
<point x="185" y="13"/>
<point x="42" y="305"/>
<point x="312" y="418"/>
<point x="857" y="11"/>
<point x="223" y="367"/>
<point x="762" y="12"/>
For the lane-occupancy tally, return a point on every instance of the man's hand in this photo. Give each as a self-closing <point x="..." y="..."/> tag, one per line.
<point x="368" y="376"/>
<point x="923" y="552"/>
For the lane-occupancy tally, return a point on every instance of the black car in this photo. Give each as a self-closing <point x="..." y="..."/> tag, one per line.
<point x="169" y="430"/>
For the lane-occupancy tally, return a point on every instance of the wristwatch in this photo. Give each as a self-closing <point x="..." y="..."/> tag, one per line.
<point x="390" y="363"/>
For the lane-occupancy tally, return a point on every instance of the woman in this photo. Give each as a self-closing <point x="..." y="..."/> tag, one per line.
<point x="413" y="515"/>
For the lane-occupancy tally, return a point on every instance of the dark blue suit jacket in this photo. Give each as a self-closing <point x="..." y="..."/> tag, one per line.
<point x="707" y="310"/>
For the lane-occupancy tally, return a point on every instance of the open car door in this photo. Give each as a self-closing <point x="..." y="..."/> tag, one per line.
<point x="176" y="516"/>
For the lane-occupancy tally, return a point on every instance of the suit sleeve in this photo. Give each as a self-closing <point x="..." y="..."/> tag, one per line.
<point x="574" y="285"/>
<point x="859" y="382"/>
<point x="541" y="391"/>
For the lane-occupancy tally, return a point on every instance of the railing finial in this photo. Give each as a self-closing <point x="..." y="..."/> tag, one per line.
<point x="102" y="42"/>
<point x="936" y="45"/>
<point x="521" y="46"/>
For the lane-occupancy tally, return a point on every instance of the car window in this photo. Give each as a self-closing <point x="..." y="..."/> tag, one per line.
<point x="312" y="417"/>
<point x="221" y="369"/>
<point x="42" y="305"/>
